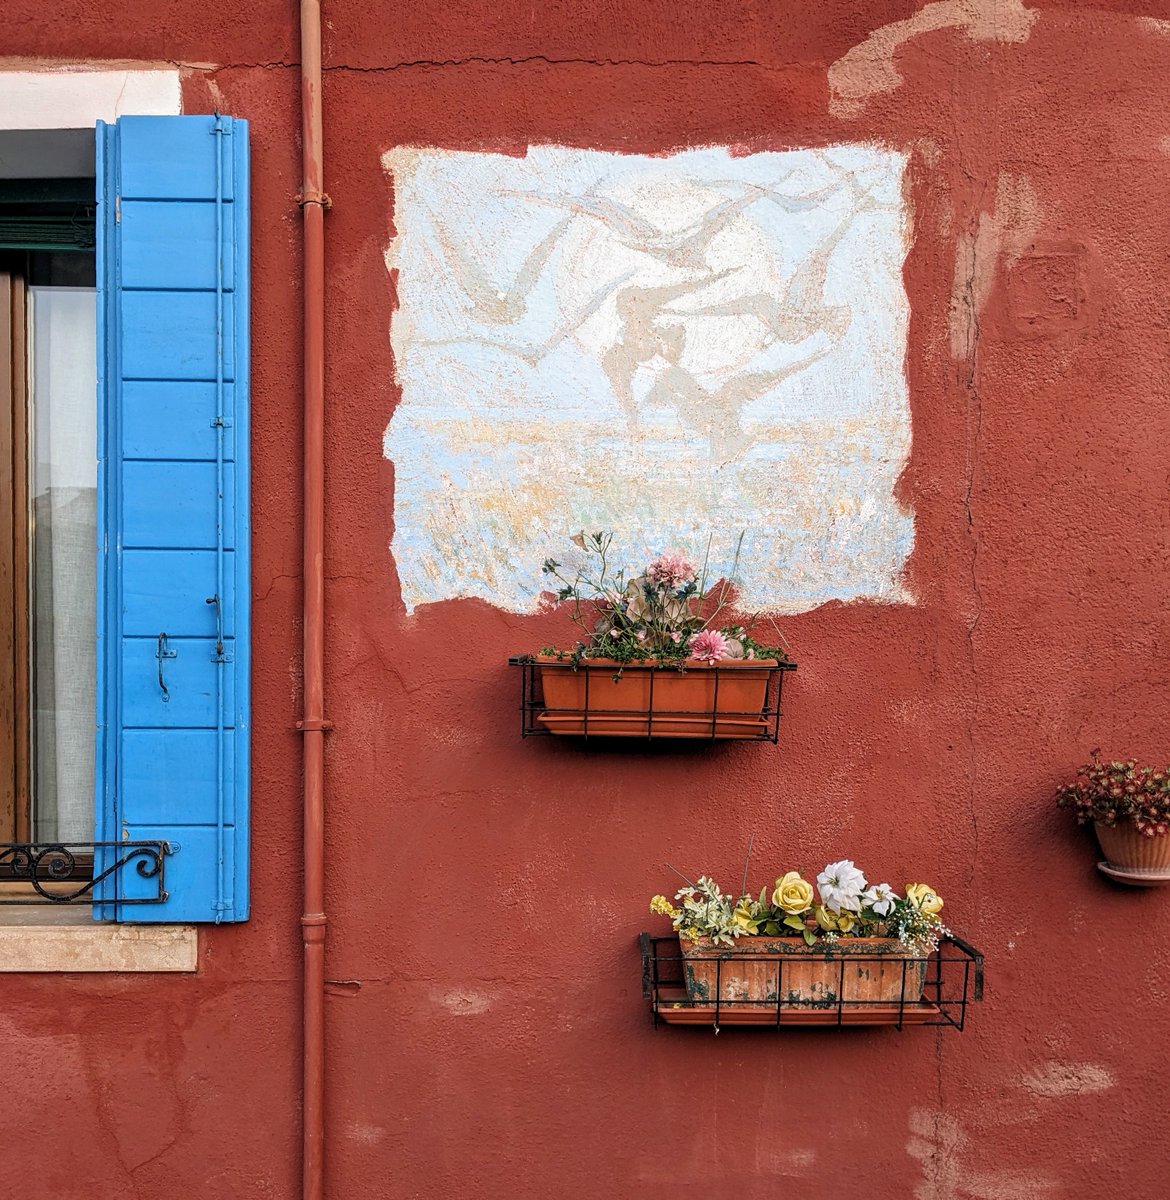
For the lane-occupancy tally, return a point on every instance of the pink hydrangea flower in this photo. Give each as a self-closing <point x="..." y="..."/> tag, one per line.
<point x="671" y="570"/>
<point x="708" y="646"/>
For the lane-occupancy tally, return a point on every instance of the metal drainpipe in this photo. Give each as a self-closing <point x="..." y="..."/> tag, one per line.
<point x="313" y="725"/>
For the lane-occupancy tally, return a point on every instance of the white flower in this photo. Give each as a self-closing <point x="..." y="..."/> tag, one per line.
<point x="841" y="885"/>
<point x="880" y="898"/>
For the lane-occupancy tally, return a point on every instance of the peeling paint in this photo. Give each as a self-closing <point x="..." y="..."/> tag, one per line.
<point x="671" y="348"/>
<point x="869" y="69"/>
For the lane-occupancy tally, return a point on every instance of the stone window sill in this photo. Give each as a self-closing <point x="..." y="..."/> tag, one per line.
<point x="36" y="938"/>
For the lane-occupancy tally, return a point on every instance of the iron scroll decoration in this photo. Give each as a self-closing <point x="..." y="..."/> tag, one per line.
<point x="41" y="863"/>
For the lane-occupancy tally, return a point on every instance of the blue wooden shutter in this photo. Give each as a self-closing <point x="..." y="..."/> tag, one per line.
<point x="173" y="586"/>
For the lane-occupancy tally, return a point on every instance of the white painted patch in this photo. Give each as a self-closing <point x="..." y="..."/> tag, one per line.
<point x="665" y="347"/>
<point x="1055" y="1079"/>
<point x="79" y="97"/>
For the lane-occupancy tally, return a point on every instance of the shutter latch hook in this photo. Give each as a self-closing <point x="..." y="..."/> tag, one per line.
<point x="164" y="651"/>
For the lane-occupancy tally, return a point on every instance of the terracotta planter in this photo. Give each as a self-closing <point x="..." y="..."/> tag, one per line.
<point x="855" y="971"/>
<point x="1125" y="849"/>
<point x="725" y="700"/>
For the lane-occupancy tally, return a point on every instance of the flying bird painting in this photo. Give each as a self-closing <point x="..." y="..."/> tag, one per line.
<point x="670" y="347"/>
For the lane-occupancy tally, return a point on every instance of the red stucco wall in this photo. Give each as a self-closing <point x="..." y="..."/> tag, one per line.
<point x="484" y="893"/>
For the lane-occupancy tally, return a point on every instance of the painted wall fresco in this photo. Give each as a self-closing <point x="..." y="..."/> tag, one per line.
<point x="667" y="347"/>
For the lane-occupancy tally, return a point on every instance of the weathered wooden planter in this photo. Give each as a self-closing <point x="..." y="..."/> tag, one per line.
<point x="864" y="970"/>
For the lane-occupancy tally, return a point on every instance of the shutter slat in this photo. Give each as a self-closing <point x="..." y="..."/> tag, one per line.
<point x="171" y="335"/>
<point x="174" y="421"/>
<point x="179" y="240"/>
<point x="175" y="614"/>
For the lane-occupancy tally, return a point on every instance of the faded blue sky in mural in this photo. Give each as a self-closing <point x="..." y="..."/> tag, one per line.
<point x="666" y="347"/>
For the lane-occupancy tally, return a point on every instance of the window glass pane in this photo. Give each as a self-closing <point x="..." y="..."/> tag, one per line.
<point x="63" y="469"/>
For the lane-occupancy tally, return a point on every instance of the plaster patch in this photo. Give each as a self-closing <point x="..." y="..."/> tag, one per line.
<point x="666" y="347"/>
<point x="1004" y="232"/>
<point x="463" y="1003"/>
<point x="784" y="1161"/>
<point x="936" y="1141"/>
<point x="869" y="67"/>
<point x="369" y="1135"/>
<point x="939" y="1143"/>
<point x="1055" y="1079"/>
<point x="1154" y="25"/>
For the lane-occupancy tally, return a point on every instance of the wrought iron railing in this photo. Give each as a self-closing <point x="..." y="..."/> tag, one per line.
<point x="69" y="872"/>
<point x="933" y="989"/>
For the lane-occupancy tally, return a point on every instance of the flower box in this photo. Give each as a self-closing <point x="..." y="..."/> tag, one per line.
<point x="819" y="988"/>
<point x="737" y="699"/>
<point x="863" y="955"/>
<point x="661" y="655"/>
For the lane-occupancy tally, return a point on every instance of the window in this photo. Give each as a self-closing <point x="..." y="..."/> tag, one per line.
<point x="135" y="625"/>
<point x="48" y="542"/>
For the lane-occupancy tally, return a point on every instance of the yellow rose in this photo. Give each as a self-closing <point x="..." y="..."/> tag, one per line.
<point x="826" y="919"/>
<point x="845" y="921"/>
<point x="743" y="917"/>
<point x="793" y="894"/>
<point x="924" y="897"/>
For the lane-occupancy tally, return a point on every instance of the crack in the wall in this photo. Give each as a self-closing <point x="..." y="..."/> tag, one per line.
<point x="487" y="61"/>
<point x="546" y="60"/>
<point x="975" y="416"/>
<point x="967" y="320"/>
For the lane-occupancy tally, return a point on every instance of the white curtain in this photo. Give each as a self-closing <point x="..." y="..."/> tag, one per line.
<point x="63" y="479"/>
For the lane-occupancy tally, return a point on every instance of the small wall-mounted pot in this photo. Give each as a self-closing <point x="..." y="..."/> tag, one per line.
<point x="1131" y="857"/>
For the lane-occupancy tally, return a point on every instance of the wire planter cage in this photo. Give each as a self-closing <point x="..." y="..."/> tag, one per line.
<point x="811" y="987"/>
<point x="734" y="700"/>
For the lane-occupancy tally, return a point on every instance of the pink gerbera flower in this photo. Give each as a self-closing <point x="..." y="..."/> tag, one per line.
<point x="671" y="570"/>
<point x="708" y="646"/>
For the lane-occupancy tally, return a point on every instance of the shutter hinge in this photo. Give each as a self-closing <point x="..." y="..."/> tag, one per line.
<point x="221" y="422"/>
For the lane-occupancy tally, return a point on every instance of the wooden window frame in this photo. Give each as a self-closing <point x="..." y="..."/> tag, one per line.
<point x="15" y="797"/>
